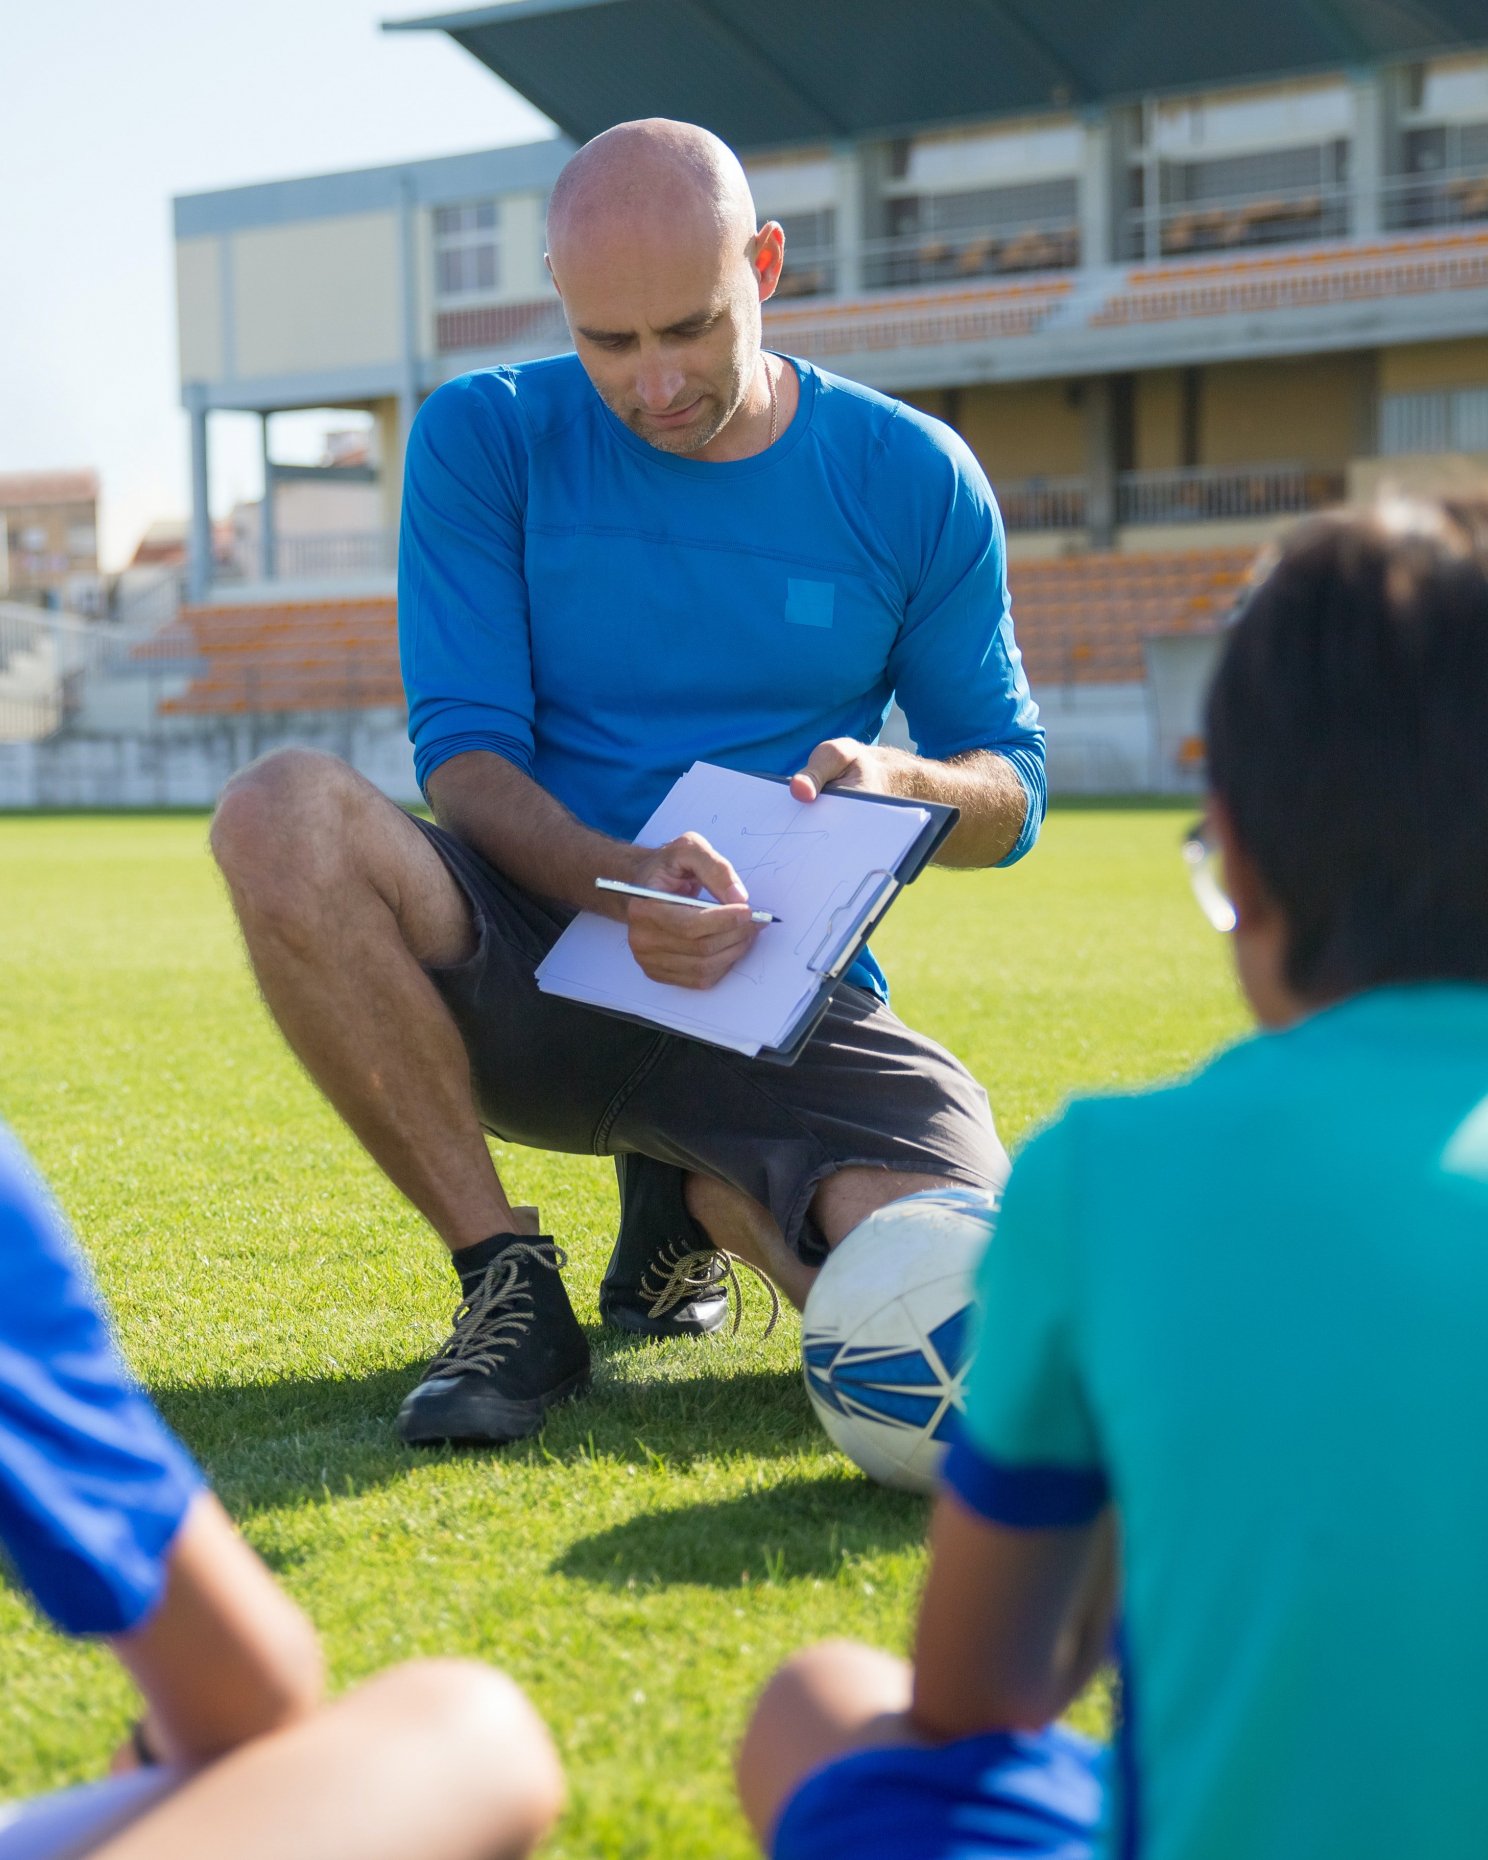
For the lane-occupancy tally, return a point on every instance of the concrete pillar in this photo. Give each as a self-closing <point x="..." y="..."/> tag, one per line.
<point x="849" y="219"/>
<point x="1374" y="157"/>
<point x="199" y="556"/>
<point x="387" y="416"/>
<point x="408" y="298"/>
<point x="268" y="551"/>
<point x="1101" y="460"/>
<point x="1097" y="197"/>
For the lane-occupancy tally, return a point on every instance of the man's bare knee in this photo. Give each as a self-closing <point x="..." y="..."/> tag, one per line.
<point x="265" y="810"/>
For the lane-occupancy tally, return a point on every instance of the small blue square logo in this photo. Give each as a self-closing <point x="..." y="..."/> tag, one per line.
<point x="809" y="603"/>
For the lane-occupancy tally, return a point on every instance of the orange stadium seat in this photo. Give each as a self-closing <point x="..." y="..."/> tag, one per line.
<point x="1084" y="619"/>
<point x="1080" y="620"/>
<point x="292" y="656"/>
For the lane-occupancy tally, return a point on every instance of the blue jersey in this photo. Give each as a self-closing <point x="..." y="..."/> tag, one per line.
<point x="92" y="1486"/>
<point x="603" y="614"/>
<point x="1251" y="1309"/>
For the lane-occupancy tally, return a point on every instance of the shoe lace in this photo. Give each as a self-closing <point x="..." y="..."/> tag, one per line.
<point x="679" y="1273"/>
<point x="493" y="1318"/>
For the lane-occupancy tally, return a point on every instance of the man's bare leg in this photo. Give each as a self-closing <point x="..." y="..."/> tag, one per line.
<point x="738" y="1224"/>
<point x="341" y="900"/>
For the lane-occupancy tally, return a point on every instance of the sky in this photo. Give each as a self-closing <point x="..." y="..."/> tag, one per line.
<point x="113" y="107"/>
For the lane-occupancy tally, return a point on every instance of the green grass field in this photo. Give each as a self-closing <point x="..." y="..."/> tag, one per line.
<point x="644" y="1566"/>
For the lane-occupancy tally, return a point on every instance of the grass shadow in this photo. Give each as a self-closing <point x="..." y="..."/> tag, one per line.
<point x="273" y="1443"/>
<point x="803" y="1528"/>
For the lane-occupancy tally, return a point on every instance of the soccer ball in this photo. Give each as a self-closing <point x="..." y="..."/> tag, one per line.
<point x="886" y="1333"/>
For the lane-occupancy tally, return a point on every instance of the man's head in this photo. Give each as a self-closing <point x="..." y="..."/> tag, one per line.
<point x="653" y="246"/>
<point x="1348" y="758"/>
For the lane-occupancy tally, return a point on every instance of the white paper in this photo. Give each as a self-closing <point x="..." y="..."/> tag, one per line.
<point x="818" y="865"/>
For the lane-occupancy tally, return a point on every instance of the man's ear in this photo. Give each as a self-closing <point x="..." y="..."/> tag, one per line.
<point x="767" y="258"/>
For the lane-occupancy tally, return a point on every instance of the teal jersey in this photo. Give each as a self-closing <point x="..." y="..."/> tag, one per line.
<point x="1252" y="1310"/>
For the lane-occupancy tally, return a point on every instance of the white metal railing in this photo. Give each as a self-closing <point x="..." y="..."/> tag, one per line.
<point x="150" y="604"/>
<point x="1211" y="493"/>
<point x="1190" y="229"/>
<point x="46" y="656"/>
<point x="948" y="257"/>
<point x="1457" y="197"/>
<point x="335" y="552"/>
<point x="1044" y="504"/>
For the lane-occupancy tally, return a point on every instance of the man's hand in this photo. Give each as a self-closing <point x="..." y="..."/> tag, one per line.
<point x="690" y="949"/>
<point x="844" y="764"/>
<point x="983" y="785"/>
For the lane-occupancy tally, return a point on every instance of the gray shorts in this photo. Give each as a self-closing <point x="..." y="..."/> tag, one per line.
<point x="866" y="1090"/>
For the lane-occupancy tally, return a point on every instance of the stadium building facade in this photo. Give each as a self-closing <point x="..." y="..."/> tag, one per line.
<point x="1175" y="280"/>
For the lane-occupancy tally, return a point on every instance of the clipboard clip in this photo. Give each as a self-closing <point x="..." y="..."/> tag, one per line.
<point x="819" y="962"/>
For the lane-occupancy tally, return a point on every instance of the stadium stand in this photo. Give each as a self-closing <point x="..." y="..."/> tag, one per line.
<point x="1344" y="273"/>
<point x="291" y="657"/>
<point x="1084" y="620"/>
<point x="1080" y="619"/>
<point x="921" y="321"/>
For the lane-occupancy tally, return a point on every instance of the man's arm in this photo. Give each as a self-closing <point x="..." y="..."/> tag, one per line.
<point x="226" y="1655"/>
<point x="518" y="826"/>
<point x="1013" y="1623"/>
<point x="984" y="785"/>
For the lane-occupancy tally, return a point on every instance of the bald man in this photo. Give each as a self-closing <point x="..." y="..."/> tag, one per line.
<point x="669" y="545"/>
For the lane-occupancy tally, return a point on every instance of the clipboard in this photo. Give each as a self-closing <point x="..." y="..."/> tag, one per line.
<point x="832" y="963"/>
<point x="590" y="965"/>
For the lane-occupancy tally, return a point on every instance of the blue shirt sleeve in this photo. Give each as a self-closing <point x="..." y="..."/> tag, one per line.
<point x="1026" y="1454"/>
<point x="955" y="666"/>
<point x="93" y="1488"/>
<point x="462" y="593"/>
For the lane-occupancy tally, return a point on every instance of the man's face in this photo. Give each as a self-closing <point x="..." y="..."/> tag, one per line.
<point x="667" y="326"/>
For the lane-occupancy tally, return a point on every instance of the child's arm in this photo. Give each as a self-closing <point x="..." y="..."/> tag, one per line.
<point x="1013" y="1622"/>
<point x="226" y="1655"/>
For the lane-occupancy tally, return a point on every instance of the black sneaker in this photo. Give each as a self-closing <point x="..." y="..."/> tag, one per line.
<point x="665" y="1277"/>
<point x="656" y="1284"/>
<point x="516" y="1350"/>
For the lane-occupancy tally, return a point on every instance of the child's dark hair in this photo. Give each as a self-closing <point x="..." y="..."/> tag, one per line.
<point x="1347" y="732"/>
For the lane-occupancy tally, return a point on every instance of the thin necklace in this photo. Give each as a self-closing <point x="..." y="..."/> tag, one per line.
<point x="774" y="408"/>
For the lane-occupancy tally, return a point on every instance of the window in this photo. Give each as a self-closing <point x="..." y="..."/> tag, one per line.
<point x="800" y="191"/>
<point x="1246" y="168"/>
<point x="980" y="204"/>
<point x="810" y="252"/>
<point x="467" y="251"/>
<point x="1443" y="161"/>
<point x="82" y="542"/>
<point x="1443" y="420"/>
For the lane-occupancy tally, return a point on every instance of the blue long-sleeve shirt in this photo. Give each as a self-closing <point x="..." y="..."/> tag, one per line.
<point x="603" y="614"/>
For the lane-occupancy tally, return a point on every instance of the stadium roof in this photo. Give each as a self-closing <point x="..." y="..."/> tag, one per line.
<point x="769" y="73"/>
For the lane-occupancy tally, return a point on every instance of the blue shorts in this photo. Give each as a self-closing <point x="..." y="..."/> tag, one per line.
<point x="1010" y="1795"/>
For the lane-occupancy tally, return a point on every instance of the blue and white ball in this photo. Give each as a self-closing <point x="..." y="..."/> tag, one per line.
<point x="886" y="1333"/>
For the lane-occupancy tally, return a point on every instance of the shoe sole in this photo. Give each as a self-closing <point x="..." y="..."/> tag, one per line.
<point x="516" y="1420"/>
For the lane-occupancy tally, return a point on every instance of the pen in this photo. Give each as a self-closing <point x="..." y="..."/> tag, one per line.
<point x="675" y="897"/>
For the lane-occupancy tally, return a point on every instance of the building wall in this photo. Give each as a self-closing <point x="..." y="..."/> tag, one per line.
<point x="321" y="295"/>
<point x="50" y="545"/>
<point x="1157" y="420"/>
<point x="199" y="309"/>
<point x="1031" y="429"/>
<point x="1316" y="410"/>
<point x="1420" y="367"/>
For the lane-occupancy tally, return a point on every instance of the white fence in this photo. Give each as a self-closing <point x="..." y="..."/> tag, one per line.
<point x="47" y="658"/>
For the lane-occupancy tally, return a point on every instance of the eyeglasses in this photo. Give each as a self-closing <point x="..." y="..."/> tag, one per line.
<point x="1206" y="875"/>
